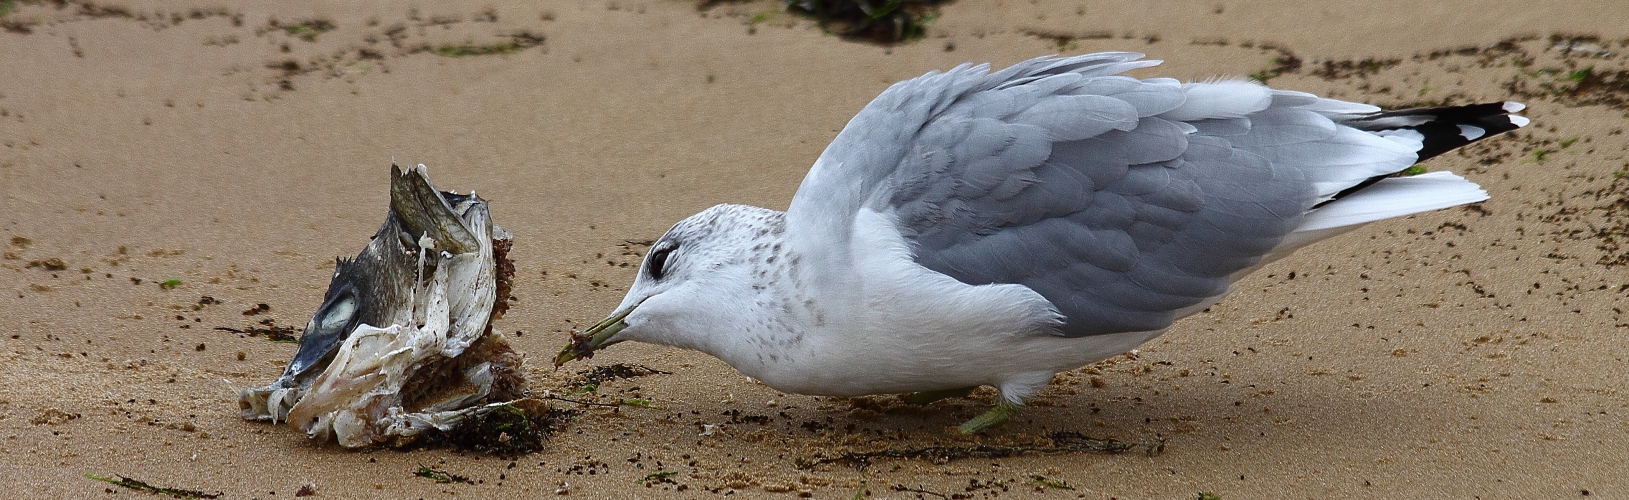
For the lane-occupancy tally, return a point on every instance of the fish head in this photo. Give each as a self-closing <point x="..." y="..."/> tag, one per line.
<point x="433" y="248"/>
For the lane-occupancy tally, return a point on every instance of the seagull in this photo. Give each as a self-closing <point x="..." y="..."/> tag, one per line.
<point x="974" y="228"/>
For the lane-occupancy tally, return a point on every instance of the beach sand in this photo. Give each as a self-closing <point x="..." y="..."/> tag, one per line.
<point x="169" y="167"/>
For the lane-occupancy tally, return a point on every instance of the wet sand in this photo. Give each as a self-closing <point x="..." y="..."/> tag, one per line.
<point x="158" y="153"/>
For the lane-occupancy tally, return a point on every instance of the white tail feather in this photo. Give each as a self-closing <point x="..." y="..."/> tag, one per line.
<point x="1395" y="197"/>
<point x="1391" y="197"/>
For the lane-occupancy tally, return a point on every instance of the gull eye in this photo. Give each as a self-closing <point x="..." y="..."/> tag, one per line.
<point x="658" y="261"/>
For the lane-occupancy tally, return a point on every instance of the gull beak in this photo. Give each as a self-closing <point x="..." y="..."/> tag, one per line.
<point x="594" y="338"/>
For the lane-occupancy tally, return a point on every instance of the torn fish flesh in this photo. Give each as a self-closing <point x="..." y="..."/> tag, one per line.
<point x="403" y="340"/>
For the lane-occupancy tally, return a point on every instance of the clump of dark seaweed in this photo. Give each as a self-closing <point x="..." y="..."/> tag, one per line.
<point x="139" y="485"/>
<point x="1353" y="68"/>
<point x="599" y="374"/>
<point x="1284" y="61"/>
<point x="268" y="328"/>
<point x="509" y="430"/>
<point x="879" y="21"/>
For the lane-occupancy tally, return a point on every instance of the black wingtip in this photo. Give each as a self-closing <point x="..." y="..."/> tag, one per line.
<point x="1443" y="129"/>
<point x="1440" y="129"/>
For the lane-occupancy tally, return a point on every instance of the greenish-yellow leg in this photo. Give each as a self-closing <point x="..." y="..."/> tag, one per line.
<point x="1003" y="410"/>
<point x="925" y="397"/>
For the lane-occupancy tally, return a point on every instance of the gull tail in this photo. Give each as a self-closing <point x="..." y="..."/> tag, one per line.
<point x="1436" y="131"/>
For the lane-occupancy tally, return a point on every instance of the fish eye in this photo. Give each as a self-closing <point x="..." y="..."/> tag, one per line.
<point x="338" y="313"/>
<point x="658" y="261"/>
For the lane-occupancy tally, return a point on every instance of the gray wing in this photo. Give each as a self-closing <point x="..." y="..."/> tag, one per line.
<point x="1121" y="201"/>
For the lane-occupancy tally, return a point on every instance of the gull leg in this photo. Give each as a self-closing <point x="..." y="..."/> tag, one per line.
<point x="1013" y="391"/>
<point x="925" y="397"/>
<point x="1003" y="410"/>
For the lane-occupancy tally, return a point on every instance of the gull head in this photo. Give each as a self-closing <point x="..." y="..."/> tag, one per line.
<point x="698" y="285"/>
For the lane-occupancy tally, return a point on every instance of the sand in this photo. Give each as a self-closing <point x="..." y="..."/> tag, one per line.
<point x="158" y="153"/>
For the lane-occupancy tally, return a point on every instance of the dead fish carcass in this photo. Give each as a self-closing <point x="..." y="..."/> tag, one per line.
<point x="403" y="341"/>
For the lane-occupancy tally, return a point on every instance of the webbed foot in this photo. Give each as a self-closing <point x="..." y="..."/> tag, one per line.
<point x="1003" y="410"/>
